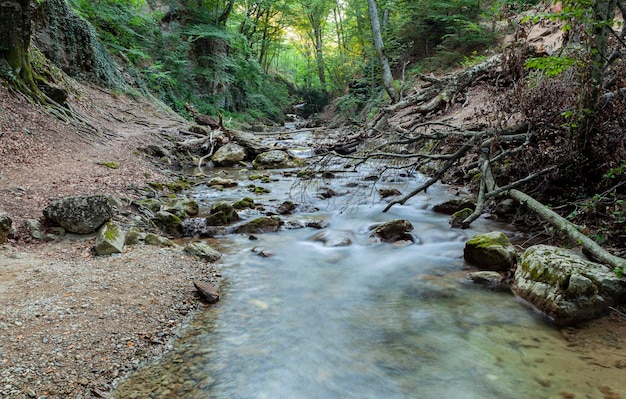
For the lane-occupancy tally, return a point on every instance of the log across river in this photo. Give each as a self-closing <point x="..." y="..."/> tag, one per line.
<point x="363" y="319"/>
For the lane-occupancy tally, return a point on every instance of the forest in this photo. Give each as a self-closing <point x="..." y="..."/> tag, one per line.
<point x="558" y="111"/>
<point x="283" y="197"/>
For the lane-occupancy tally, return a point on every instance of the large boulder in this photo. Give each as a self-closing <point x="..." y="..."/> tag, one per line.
<point x="229" y="154"/>
<point x="110" y="239"/>
<point x="490" y="251"/>
<point x="6" y="224"/>
<point x="566" y="287"/>
<point x="80" y="215"/>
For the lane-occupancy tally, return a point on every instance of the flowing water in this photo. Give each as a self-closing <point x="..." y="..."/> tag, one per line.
<point x="366" y="320"/>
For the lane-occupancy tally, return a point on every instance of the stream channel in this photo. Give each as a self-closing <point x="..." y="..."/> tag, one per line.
<point x="366" y="320"/>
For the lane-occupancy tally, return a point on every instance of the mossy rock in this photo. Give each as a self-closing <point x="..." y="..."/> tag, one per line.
<point x="565" y="286"/>
<point x="133" y="236"/>
<point x="490" y="251"/>
<point x="258" y="189"/>
<point x="243" y="203"/>
<point x="159" y="241"/>
<point x="182" y="207"/>
<point x="110" y="239"/>
<point x="457" y="218"/>
<point x="168" y="222"/>
<point x="152" y="204"/>
<point x="6" y="226"/>
<point x="222" y="214"/>
<point x="203" y="251"/>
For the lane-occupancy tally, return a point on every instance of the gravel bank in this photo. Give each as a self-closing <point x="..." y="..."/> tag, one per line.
<point x="73" y="325"/>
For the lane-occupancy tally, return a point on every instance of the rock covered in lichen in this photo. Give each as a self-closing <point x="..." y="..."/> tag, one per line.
<point x="564" y="286"/>
<point x="80" y="215"/>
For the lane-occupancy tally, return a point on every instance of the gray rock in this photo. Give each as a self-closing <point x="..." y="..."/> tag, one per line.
<point x="203" y="251"/>
<point x="110" y="239"/>
<point x="252" y="144"/>
<point x="394" y="230"/>
<point x="266" y="224"/>
<point x="220" y="181"/>
<point x="566" y="287"/>
<point x="33" y="228"/>
<point x="80" y="215"/>
<point x="454" y="205"/>
<point x="207" y="291"/>
<point x="198" y="227"/>
<point x="159" y="241"/>
<point x="490" y="251"/>
<point x="6" y="225"/>
<point x="229" y="154"/>
<point x="275" y="159"/>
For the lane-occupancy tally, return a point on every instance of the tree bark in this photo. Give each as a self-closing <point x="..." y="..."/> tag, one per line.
<point x="380" y="50"/>
<point x="15" y="32"/>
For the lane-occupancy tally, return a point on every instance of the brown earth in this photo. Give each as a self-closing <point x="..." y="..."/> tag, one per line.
<point x="72" y="324"/>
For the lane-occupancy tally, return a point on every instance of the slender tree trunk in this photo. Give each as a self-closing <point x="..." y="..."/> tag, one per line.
<point x="319" y="54"/>
<point x="603" y="13"/>
<point x="380" y="50"/>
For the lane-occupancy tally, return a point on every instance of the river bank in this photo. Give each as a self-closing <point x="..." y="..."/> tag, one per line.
<point x="73" y="324"/>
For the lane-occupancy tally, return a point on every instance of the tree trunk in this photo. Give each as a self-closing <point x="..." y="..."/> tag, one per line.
<point x="380" y="50"/>
<point x="15" y="31"/>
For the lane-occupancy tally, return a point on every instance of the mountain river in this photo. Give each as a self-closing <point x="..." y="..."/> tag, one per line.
<point x="365" y="320"/>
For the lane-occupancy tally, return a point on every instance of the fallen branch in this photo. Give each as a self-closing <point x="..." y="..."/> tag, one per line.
<point x="568" y="228"/>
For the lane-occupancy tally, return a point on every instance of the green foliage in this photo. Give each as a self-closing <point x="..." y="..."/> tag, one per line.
<point x="122" y="25"/>
<point x="551" y="66"/>
<point x="445" y="30"/>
